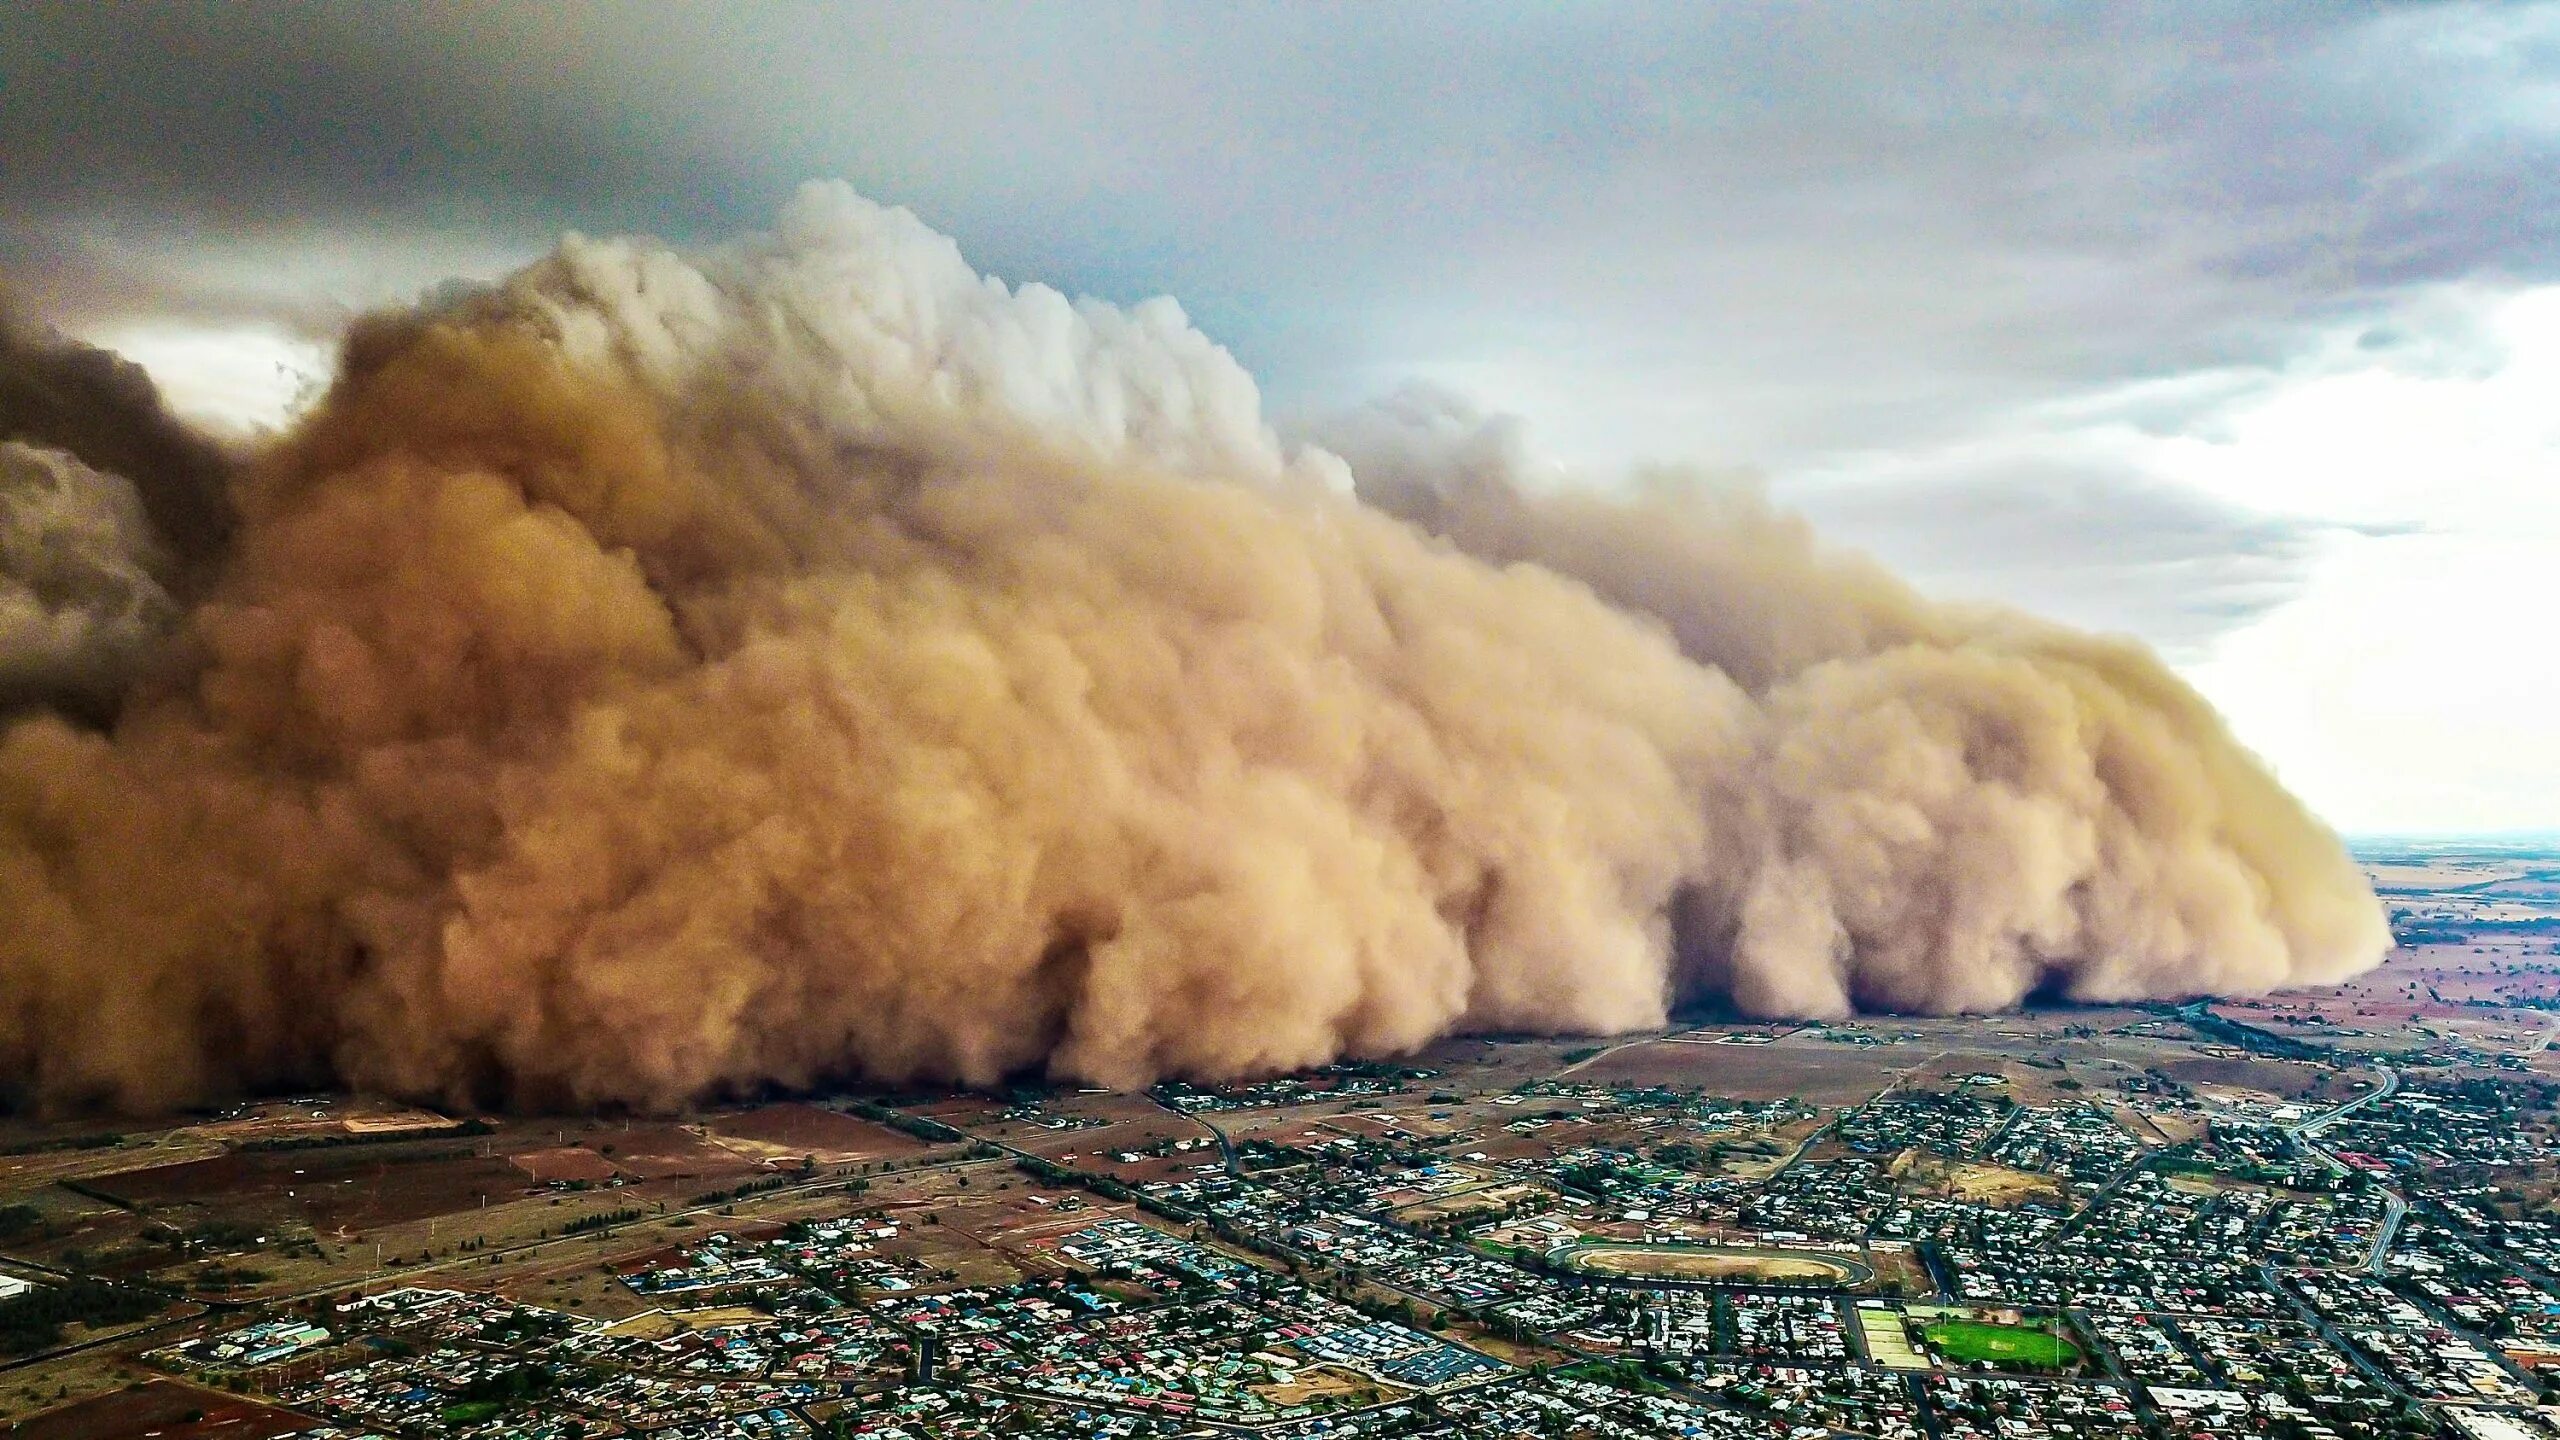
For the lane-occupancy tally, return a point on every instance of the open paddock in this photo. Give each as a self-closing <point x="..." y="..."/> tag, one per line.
<point x="1798" y="1067"/>
<point x="162" y="1410"/>
<point x="833" y="1137"/>
<point x="330" y="1190"/>
<point x="2284" y="1079"/>
<point x="675" y="1152"/>
<point x="564" y="1164"/>
<point x="1483" y="1199"/>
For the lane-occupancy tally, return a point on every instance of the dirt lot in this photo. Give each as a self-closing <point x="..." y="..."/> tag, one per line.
<point x="333" y="1191"/>
<point x="73" y="1380"/>
<point x="792" y="1130"/>
<point x="1812" y="1070"/>
<point x="1140" y="1135"/>
<point x="166" y="1410"/>
<point x="2284" y="1079"/>
<point x="1495" y="1065"/>
<point x="574" y="1276"/>
<point x="562" y="1164"/>
<point x="1487" y="1200"/>
<point x="675" y="1152"/>
<point x="1921" y="1173"/>
<point x="1324" y="1382"/>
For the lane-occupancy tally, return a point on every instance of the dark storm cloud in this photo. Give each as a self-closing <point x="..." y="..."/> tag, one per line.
<point x="254" y="115"/>
<point x="1760" y="233"/>
<point x="1211" y="151"/>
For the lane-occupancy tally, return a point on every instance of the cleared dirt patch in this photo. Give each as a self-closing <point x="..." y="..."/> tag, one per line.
<point x="1810" y="1070"/>
<point x="1921" y="1173"/>
<point x="564" y="1163"/>
<point x="1322" y="1383"/>
<point x="1485" y="1201"/>
<point x="1887" y="1344"/>
<point x="331" y="1190"/>
<point x="165" y="1410"/>
<point x="833" y="1137"/>
<point x="2271" y="1077"/>
<point x="671" y="1152"/>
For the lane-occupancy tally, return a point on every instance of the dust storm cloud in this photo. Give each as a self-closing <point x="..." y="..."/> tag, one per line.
<point x="664" y="675"/>
<point x="111" y="513"/>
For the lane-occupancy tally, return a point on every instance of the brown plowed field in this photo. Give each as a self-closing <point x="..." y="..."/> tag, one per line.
<point x="161" y="1409"/>
<point x="835" y="1138"/>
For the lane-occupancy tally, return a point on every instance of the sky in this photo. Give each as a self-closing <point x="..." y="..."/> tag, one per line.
<point x="2234" y="327"/>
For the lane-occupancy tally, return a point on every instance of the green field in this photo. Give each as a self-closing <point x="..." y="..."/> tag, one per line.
<point x="1966" y="1341"/>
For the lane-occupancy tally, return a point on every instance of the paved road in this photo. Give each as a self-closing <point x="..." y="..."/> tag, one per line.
<point x="1226" y="1147"/>
<point x="2550" y="1032"/>
<point x="2302" y="1310"/>
<point x="2394" y="1211"/>
<point x="2395" y="1206"/>
<point x="1603" y="1053"/>
<point x="2390" y="1084"/>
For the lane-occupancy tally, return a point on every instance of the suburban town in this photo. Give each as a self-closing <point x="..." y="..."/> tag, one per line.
<point x="2321" y="1216"/>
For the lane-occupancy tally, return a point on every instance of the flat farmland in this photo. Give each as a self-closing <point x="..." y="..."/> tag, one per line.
<point x="1412" y="1122"/>
<point x="999" y="1231"/>
<point x="577" y="1277"/>
<point x="1491" y="1065"/>
<point x="2284" y="1079"/>
<point x="1815" y="1071"/>
<point x="1070" y="1120"/>
<point x="675" y="1152"/>
<point x="1152" y="1139"/>
<point x="564" y="1164"/>
<point x="163" y="1410"/>
<point x="1483" y="1200"/>
<point x="970" y="1111"/>
<point x="52" y="1161"/>
<point x="792" y="1130"/>
<point x="332" y="1191"/>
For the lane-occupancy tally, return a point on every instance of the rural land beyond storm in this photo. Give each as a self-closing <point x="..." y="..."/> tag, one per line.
<point x="1406" y="722"/>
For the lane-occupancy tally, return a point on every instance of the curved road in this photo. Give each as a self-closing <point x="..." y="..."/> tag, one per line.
<point x="2390" y="1086"/>
<point x="2395" y="1206"/>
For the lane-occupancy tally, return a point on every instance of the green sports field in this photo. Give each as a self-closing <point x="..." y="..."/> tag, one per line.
<point x="1966" y="1341"/>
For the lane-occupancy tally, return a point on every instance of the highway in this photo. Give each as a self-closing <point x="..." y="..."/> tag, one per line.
<point x="2388" y="1086"/>
<point x="2394" y="1211"/>
<point x="2395" y="1206"/>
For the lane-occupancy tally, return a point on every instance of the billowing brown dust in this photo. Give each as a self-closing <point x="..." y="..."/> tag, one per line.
<point x="668" y="675"/>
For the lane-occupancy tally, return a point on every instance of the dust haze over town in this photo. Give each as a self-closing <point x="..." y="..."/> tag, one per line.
<point x="643" y="793"/>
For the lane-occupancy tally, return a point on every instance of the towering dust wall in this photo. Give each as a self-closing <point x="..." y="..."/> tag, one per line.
<point x="665" y="675"/>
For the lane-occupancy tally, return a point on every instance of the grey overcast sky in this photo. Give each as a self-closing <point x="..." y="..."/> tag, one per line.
<point x="2233" y="326"/>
